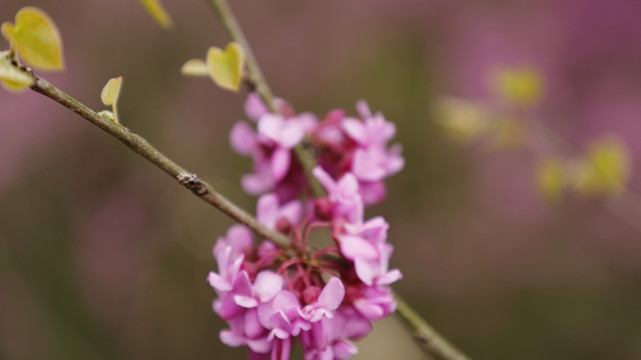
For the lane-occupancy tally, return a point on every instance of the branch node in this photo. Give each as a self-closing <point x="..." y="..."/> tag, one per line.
<point x="193" y="183"/>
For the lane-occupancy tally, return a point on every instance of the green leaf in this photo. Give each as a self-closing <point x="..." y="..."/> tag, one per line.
<point x="226" y="67"/>
<point x="195" y="67"/>
<point x="158" y="13"/>
<point x="111" y="91"/>
<point x="521" y="86"/>
<point x="110" y="94"/>
<point x="462" y="120"/>
<point x="35" y="38"/>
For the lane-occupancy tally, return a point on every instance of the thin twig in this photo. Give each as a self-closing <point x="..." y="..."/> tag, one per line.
<point x="429" y="340"/>
<point x="141" y="146"/>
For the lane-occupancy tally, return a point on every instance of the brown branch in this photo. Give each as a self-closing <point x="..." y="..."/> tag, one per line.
<point x="141" y="146"/>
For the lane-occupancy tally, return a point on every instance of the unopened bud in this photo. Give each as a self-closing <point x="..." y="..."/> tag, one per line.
<point x="283" y="225"/>
<point x="310" y="295"/>
<point x="323" y="208"/>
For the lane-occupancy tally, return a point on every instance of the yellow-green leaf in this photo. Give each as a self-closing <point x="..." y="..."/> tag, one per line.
<point x="35" y="38"/>
<point x="462" y="120"/>
<point x="157" y="12"/>
<point x="12" y="78"/>
<point x="522" y="86"/>
<point x="111" y="91"/>
<point x="607" y="168"/>
<point x="550" y="179"/>
<point x="195" y="67"/>
<point x="226" y="67"/>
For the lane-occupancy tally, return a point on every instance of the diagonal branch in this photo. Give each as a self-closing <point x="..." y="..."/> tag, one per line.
<point x="141" y="146"/>
<point x="428" y="339"/>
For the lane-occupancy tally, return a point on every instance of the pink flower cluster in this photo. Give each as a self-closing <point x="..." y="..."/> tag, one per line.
<point x="270" y="296"/>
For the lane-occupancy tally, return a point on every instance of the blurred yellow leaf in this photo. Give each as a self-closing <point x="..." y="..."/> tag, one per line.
<point x="35" y="38"/>
<point x="195" y="67"/>
<point x="157" y="12"/>
<point x="226" y="67"/>
<point x="550" y="179"/>
<point x="462" y="120"/>
<point x="606" y="168"/>
<point x="110" y="94"/>
<point x="111" y="91"/>
<point x="11" y="77"/>
<point x="521" y="86"/>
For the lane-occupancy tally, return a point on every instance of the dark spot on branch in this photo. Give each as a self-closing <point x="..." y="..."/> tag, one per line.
<point x="191" y="182"/>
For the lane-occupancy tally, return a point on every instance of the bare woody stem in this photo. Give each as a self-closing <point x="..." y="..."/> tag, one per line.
<point x="141" y="146"/>
<point x="428" y="339"/>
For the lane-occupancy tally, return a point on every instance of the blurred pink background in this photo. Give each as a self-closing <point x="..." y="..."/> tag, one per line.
<point x="102" y="256"/>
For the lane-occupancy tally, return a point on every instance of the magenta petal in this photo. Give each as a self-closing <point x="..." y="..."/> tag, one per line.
<point x="353" y="247"/>
<point x="267" y="209"/>
<point x="323" y="177"/>
<point x="344" y="350"/>
<point x="280" y="163"/>
<point x="365" y="270"/>
<point x="369" y="310"/>
<point x="285" y="300"/>
<point x="355" y="129"/>
<point x="256" y="184"/>
<point x="267" y="285"/>
<point x="348" y="185"/>
<point x="252" y="326"/>
<point x="242" y="138"/>
<point x="240" y="238"/>
<point x="259" y="347"/>
<point x="247" y="302"/>
<point x="282" y="327"/>
<point x="229" y="338"/>
<point x="269" y="125"/>
<point x="366" y="164"/>
<point x="363" y="109"/>
<point x="292" y="211"/>
<point x="291" y="133"/>
<point x="255" y="108"/>
<point x="218" y="282"/>
<point x="332" y="295"/>
<point x="389" y="277"/>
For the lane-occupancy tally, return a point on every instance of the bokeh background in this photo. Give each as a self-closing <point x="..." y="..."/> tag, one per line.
<point x="102" y="256"/>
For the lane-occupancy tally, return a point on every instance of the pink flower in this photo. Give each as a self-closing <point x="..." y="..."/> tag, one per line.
<point x="343" y="195"/>
<point x="247" y="330"/>
<point x="269" y="212"/>
<point x="361" y="240"/>
<point x="375" y="163"/>
<point x="329" y="338"/>
<point x="374" y="303"/>
<point x="255" y="107"/>
<point x="283" y="316"/>
<point x="328" y="301"/>
<point x="374" y="271"/>
<point x="229" y="253"/>
<point x="371" y="131"/>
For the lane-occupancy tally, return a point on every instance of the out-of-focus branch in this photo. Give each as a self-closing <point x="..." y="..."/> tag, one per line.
<point x="428" y="339"/>
<point x="141" y="146"/>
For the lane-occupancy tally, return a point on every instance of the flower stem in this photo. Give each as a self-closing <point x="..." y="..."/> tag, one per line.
<point x="429" y="340"/>
<point x="143" y="148"/>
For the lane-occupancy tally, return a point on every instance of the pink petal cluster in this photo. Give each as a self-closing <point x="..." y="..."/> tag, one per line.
<point x="324" y="298"/>
<point x="343" y="144"/>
